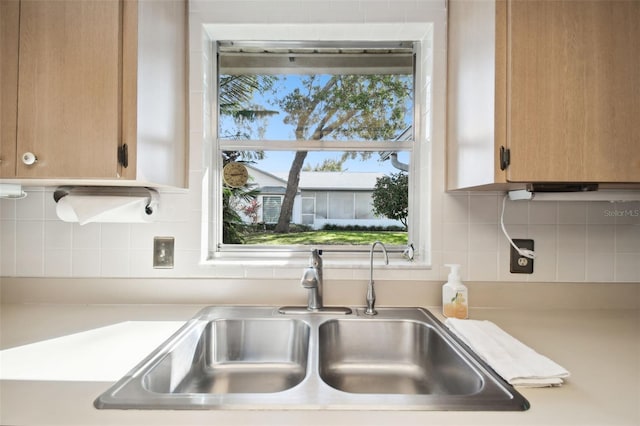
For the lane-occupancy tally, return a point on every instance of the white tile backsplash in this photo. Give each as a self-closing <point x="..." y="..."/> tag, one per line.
<point x="114" y="263"/>
<point x="456" y="208"/>
<point x="29" y="248"/>
<point x="601" y="239"/>
<point x="628" y="238"/>
<point x="600" y="267"/>
<point x="57" y="263"/>
<point x="572" y="238"/>
<point x="572" y="213"/>
<point x="86" y="263"/>
<point x="626" y="267"/>
<point x="483" y="266"/>
<point x="31" y="207"/>
<point x="516" y="213"/>
<point x="7" y="247"/>
<point x="483" y="238"/>
<point x="484" y="209"/>
<point x="571" y="267"/>
<point x="57" y="235"/>
<point x="574" y="241"/>
<point x="87" y="236"/>
<point x="8" y="209"/>
<point x="543" y="213"/>
<point x="456" y="237"/>
<point x="114" y="236"/>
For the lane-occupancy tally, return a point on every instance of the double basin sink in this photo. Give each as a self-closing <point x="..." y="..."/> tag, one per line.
<point x="259" y="358"/>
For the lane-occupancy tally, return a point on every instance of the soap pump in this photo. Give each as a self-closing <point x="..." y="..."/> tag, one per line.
<point x="455" y="298"/>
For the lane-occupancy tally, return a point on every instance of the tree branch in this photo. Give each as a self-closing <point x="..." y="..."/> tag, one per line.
<point x="303" y="119"/>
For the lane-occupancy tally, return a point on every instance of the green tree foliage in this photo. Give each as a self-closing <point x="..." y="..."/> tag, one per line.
<point x="236" y="96"/>
<point x="368" y="107"/>
<point x="231" y="220"/>
<point x="232" y="200"/>
<point x="391" y="197"/>
<point x="328" y="165"/>
<point x="236" y="93"/>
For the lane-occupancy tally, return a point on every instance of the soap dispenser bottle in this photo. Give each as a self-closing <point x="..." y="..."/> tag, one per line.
<point x="455" y="298"/>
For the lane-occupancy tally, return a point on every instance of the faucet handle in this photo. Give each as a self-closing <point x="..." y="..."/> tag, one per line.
<point x="315" y="260"/>
<point x="309" y="278"/>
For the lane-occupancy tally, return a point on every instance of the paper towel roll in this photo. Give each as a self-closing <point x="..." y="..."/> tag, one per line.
<point x="124" y="206"/>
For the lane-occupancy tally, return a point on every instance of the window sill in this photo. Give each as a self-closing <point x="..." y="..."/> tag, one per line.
<point x="298" y="260"/>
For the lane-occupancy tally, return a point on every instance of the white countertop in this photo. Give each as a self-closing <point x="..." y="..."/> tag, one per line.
<point x="601" y="349"/>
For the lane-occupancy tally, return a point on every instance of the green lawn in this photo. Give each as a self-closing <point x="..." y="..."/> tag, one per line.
<point x="328" y="237"/>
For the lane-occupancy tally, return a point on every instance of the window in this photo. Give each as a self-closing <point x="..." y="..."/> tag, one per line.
<point x="340" y="114"/>
<point x="271" y="209"/>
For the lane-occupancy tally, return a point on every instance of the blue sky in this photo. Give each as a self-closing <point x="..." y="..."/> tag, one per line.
<point x="280" y="161"/>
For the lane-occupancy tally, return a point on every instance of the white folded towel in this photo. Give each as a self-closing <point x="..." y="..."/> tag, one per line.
<point x="517" y="363"/>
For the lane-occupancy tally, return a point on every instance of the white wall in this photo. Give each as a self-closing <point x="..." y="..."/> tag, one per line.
<point x="575" y="241"/>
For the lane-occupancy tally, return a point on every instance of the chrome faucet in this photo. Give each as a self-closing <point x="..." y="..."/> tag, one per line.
<point x="312" y="280"/>
<point x="371" y="294"/>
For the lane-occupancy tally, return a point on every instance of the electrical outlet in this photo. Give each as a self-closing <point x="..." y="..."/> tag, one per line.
<point x="521" y="264"/>
<point x="163" y="252"/>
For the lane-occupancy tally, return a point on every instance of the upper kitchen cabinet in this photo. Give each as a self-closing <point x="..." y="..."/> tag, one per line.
<point x="94" y="90"/>
<point x="543" y="91"/>
<point x="9" y="21"/>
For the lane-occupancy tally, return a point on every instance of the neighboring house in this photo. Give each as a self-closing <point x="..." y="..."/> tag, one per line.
<point x="337" y="198"/>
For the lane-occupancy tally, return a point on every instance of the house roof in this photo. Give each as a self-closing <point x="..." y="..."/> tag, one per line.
<point x="273" y="190"/>
<point x="335" y="180"/>
<point x="274" y="182"/>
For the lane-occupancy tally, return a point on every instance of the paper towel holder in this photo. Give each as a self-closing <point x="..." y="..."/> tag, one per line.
<point x="151" y="194"/>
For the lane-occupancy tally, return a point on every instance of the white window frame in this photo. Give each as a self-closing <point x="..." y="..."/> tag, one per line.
<point x="420" y="169"/>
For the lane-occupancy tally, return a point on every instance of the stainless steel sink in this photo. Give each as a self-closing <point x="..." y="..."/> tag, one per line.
<point x="234" y="356"/>
<point x="392" y="357"/>
<point x="260" y="358"/>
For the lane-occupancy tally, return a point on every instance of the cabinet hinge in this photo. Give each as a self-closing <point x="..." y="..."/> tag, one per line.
<point x="505" y="157"/>
<point x="123" y="155"/>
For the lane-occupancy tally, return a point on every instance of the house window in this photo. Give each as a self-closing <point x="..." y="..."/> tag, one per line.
<point x="271" y="209"/>
<point x="363" y="205"/>
<point x="308" y="210"/>
<point x="317" y="125"/>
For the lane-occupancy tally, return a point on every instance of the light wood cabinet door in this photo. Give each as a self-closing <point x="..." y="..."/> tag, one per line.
<point x="9" y="22"/>
<point x="573" y="91"/>
<point x="557" y="83"/>
<point x="69" y="90"/>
